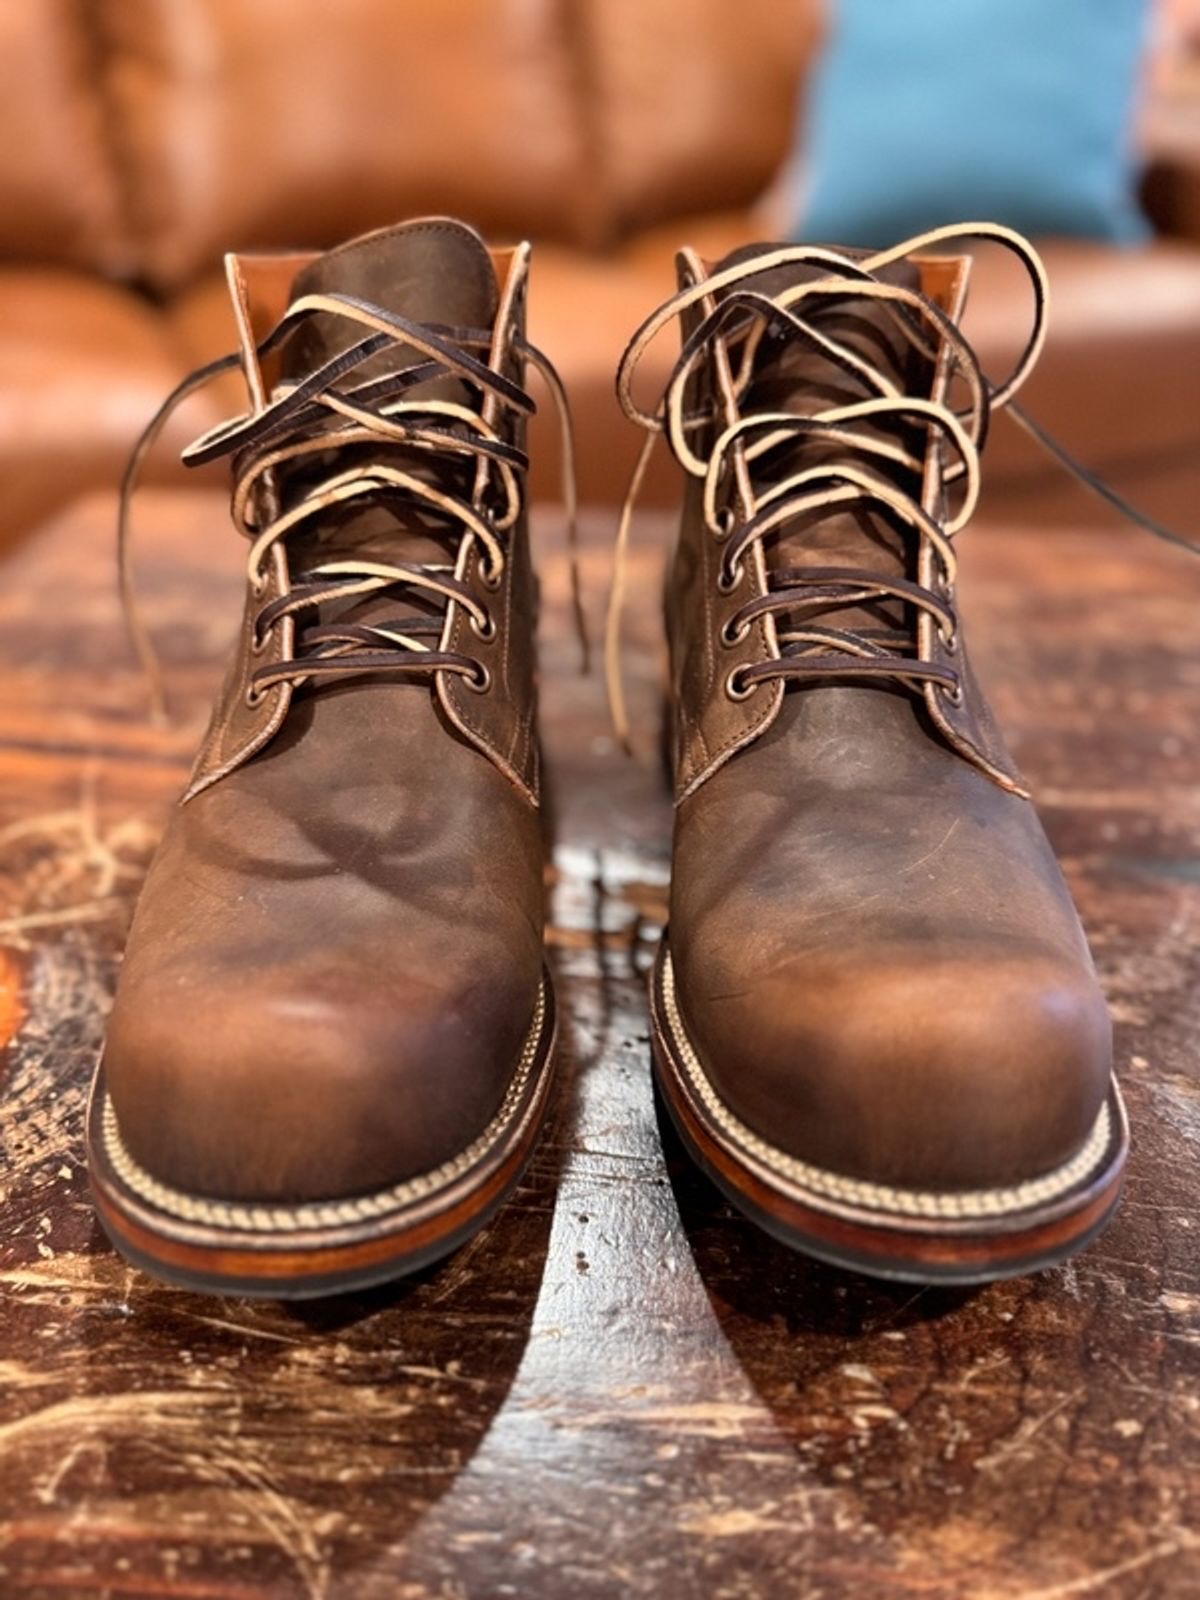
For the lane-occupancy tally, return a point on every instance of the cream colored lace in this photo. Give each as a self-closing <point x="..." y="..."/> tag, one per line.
<point x="738" y="509"/>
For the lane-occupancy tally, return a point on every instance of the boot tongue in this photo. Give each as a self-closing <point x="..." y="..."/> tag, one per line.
<point x="790" y="375"/>
<point x="435" y="272"/>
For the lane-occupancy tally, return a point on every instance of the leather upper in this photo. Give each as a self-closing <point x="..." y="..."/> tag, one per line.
<point x="60" y="190"/>
<point x="338" y="948"/>
<point x="876" y="958"/>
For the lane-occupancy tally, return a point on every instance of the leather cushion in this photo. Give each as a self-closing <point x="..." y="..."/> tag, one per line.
<point x="85" y="366"/>
<point x="693" y="106"/>
<point x="290" y="122"/>
<point x="1118" y="383"/>
<point x="58" y="193"/>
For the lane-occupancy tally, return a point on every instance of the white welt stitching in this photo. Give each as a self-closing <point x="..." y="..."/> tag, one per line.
<point x="874" y="1196"/>
<point x="329" y="1213"/>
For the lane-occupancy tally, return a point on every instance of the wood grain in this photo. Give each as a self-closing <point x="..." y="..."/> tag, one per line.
<point x="619" y="1389"/>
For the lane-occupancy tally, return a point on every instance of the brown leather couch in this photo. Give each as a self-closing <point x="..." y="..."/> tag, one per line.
<point x="141" y="138"/>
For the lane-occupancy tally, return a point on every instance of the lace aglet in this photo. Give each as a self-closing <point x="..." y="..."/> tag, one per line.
<point x="619" y="714"/>
<point x="157" y="709"/>
<point x="577" y="606"/>
<point x="585" y="642"/>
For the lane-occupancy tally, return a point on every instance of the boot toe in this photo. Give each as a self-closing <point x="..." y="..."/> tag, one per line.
<point x="318" y="1088"/>
<point x="980" y="1069"/>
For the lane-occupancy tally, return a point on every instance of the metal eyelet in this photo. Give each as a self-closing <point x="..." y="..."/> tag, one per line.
<point x="955" y="695"/>
<point x="731" y="636"/>
<point x="259" y="641"/>
<point x="479" y="681"/>
<point x="950" y="643"/>
<point x="254" y="697"/>
<point x="728" y="582"/>
<point x="483" y="630"/>
<point x="732" y="689"/>
<point x="726" y="520"/>
<point x="258" y="586"/>
<point x="491" y="580"/>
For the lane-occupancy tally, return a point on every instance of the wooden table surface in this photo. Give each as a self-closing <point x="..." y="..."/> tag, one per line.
<point x="620" y="1389"/>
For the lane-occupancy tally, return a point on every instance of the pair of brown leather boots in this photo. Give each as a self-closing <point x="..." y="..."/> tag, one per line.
<point x="875" y="1019"/>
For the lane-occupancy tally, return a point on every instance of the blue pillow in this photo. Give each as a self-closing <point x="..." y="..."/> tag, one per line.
<point x="933" y="111"/>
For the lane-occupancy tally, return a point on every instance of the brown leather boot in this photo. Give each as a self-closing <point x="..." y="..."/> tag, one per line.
<point x="876" y="1022"/>
<point x="330" y="1051"/>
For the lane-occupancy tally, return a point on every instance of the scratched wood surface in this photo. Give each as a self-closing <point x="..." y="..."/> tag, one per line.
<point x="620" y="1389"/>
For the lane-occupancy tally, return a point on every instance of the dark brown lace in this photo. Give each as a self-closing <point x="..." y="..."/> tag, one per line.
<point x="479" y="490"/>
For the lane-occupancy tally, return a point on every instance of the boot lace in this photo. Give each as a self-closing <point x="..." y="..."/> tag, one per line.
<point x="746" y="496"/>
<point x="324" y="416"/>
